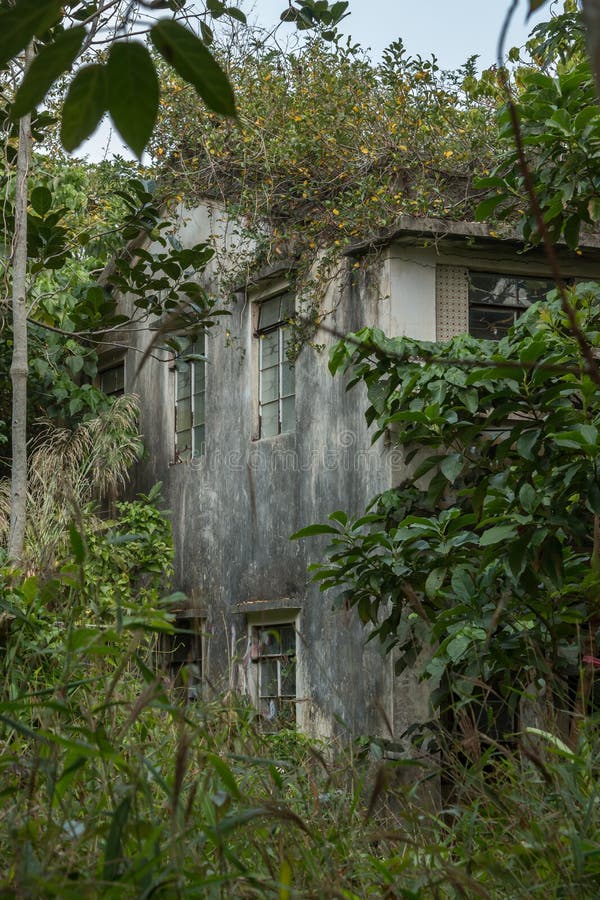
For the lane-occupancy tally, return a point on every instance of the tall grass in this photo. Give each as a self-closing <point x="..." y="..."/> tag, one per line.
<point x="111" y="788"/>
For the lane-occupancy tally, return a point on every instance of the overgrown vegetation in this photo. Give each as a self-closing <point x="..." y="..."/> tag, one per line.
<point x="109" y="786"/>
<point x="488" y="552"/>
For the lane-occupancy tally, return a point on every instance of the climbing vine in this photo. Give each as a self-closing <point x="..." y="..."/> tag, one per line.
<point x="328" y="149"/>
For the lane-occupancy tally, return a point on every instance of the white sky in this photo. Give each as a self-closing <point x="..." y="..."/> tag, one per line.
<point x="452" y="29"/>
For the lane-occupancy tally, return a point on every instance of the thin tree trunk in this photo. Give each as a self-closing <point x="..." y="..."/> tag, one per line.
<point x="19" y="366"/>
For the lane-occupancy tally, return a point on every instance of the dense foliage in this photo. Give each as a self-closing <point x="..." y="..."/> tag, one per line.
<point x="112" y="788"/>
<point x="329" y="147"/>
<point x="556" y="107"/>
<point x="488" y="553"/>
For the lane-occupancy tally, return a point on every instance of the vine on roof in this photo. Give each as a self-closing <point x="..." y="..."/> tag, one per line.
<point x="330" y="149"/>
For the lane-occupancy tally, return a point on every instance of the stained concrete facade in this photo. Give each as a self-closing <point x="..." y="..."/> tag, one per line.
<point x="234" y="507"/>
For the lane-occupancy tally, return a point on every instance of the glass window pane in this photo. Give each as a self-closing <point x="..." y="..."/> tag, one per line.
<point x="287" y="635"/>
<point x="288" y="677"/>
<point x="199" y="411"/>
<point x="268" y="678"/>
<point x="269" y="345"/>
<point x="269" y="419"/>
<point x="269" y="313"/>
<point x="199" y="377"/>
<point x="184" y="445"/>
<point x="184" y="416"/>
<point x="270" y="640"/>
<point x="533" y="289"/>
<point x="491" y="323"/>
<point x="288" y="414"/>
<point x="287" y="307"/>
<point x="112" y="381"/>
<point x="287" y="379"/>
<point x="183" y="382"/>
<point x="198" y="347"/>
<point x="498" y="290"/>
<point x="199" y="439"/>
<point x="269" y="384"/>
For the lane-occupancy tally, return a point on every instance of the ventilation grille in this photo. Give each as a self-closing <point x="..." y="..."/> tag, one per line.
<point x="452" y="301"/>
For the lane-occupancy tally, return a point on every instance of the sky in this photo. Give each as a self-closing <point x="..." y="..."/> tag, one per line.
<point x="451" y="29"/>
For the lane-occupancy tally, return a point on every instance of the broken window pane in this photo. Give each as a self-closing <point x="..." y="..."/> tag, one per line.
<point x="276" y="660"/>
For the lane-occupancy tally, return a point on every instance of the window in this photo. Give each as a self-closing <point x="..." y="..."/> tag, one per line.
<point x="276" y="384"/>
<point x="274" y="659"/>
<point x="182" y="655"/>
<point x="112" y="380"/>
<point x="190" y="395"/>
<point x="496" y="301"/>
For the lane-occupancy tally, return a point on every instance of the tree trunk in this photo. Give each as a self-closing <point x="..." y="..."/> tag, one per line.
<point x="19" y="367"/>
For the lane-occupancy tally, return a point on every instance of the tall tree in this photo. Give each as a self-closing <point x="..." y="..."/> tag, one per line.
<point x="19" y="367"/>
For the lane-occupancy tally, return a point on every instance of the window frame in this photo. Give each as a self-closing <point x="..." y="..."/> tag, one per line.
<point x="112" y="365"/>
<point x="191" y="365"/>
<point x="278" y="327"/>
<point x="513" y="309"/>
<point x="190" y="623"/>
<point x="284" y="702"/>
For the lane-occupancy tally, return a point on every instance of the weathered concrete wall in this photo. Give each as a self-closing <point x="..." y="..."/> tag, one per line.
<point x="234" y="508"/>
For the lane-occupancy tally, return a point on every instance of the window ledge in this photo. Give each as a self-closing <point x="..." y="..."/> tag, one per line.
<point x="286" y="604"/>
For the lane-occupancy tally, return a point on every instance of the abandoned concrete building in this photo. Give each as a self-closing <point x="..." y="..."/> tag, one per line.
<point x="250" y="448"/>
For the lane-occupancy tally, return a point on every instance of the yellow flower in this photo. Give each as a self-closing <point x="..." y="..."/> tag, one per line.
<point x="336" y="212"/>
<point x="449" y="153"/>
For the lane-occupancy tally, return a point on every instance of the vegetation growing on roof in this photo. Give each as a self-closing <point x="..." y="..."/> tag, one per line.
<point x="329" y="147"/>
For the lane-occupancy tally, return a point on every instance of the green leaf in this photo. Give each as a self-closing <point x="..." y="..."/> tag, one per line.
<point x="19" y="24"/>
<point x="234" y="13"/>
<point x="486" y="207"/>
<point x="434" y="581"/>
<point x="551" y="560"/>
<point x="225" y="773"/>
<point x="41" y="200"/>
<point x="195" y="64"/>
<point x="113" y="848"/>
<point x="496" y="535"/>
<point x="49" y="64"/>
<point x="207" y="35"/>
<point x="452" y="466"/>
<point x="526" y="443"/>
<point x="312" y="530"/>
<point x="594" y="209"/>
<point x="517" y="555"/>
<point x="571" y="231"/>
<point x="593" y="497"/>
<point x="132" y="93"/>
<point x="86" y="103"/>
<point x="528" y="498"/>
